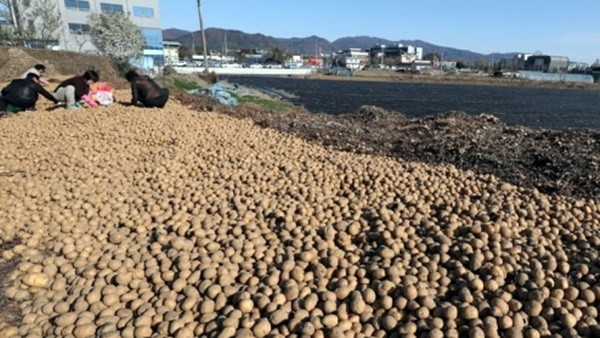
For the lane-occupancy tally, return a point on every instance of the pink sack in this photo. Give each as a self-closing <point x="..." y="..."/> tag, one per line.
<point x="89" y="100"/>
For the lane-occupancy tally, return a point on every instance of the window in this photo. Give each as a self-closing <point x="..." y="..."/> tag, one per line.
<point x="79" y="28"/>
<point x="153" y="37"/>
<point x="80" y="5"/>
<point x="146" y="12"/>
<point x="110" y="8"/>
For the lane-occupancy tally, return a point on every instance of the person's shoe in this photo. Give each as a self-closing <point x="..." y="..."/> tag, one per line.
<point x="73" y="106"/>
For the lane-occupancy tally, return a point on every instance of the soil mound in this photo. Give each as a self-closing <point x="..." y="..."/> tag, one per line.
<point x="59" y="64"/>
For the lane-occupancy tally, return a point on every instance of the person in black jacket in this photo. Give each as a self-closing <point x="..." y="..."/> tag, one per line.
<point x="145" y="91"/>
<point x="22" y="94"/>
<point x="72" y="90"/>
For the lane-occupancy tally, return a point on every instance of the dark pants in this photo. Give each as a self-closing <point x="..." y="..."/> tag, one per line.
<point x="158" y="102"/>
<point x="16" y="104"/>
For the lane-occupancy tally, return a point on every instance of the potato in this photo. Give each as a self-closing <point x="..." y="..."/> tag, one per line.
<point x="261" y="328"/>
<point x="172" y="222"/>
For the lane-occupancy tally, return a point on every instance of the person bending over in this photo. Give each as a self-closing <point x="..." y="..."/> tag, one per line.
<point x="145" y="91"/>
<point x="22" y="94"/>
<point x="72" y="90"/>
<point x="38" y="69"/>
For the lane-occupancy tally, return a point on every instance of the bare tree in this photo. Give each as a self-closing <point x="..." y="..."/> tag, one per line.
<point x="28" y="20"/>
<point x="278" y="56"/>
<point x="10" y="12"/>
<point x="80" y="39"/>
<point x="45" y="19"/>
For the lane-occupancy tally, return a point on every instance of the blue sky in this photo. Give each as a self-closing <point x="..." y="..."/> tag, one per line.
<point x="569" y="29"/>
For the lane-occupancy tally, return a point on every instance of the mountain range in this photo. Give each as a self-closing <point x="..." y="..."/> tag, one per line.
<point x="221" y="39"/>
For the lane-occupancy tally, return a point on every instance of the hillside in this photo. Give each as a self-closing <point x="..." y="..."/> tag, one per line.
<point x="216" y="37"/>
<point x="14" y="61"/>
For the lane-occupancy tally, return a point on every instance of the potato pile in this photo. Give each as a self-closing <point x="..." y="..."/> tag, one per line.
<point x="157" y="223"/>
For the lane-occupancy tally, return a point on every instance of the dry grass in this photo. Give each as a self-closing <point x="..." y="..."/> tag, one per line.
<point x="59" y="64"/>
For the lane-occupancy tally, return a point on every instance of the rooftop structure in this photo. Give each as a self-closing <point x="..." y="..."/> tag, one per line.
<point x="547" y="63"/>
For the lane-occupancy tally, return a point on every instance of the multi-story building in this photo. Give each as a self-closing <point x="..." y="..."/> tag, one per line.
<point x="171" y="50"/>
<point x="355" y="58"/>
<point x="74" y="33"/>
<point x="547" y="63"/>
<point x="397" y="54"/>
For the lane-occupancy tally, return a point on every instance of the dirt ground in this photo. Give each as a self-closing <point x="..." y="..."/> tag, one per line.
<point x="59" y="64"/>
<point x="553" y="162"/>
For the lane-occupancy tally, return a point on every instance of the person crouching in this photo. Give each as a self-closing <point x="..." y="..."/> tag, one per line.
<point x="22" y="94"/>
<point x="72" y="90"/>
<point x="146" y="92"/>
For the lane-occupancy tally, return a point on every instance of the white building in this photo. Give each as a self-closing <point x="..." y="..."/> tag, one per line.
<point x="74" y="33"/>
<point x="171" y="50"/>
<point x="355" y="58"/>
<point x="397" y="54"/>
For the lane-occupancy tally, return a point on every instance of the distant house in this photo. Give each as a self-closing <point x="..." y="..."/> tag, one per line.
<point x="400" y="54"/>
<point x="295" y="62"/>
<point x="316" y="61"/>
<point x="547" y="63"/>
<point x="354" y="58"/>
<point x="423" y="65"/>
<point x="251" y="59"/>
<point x="447" y="65"/>
<point x="578" y="65"/>
<point x="171" y="50"/>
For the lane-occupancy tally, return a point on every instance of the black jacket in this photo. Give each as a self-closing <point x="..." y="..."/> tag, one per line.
<point x="24" y="93"/>
<point x="143" y="88"/>
<point x="80" y="84"/>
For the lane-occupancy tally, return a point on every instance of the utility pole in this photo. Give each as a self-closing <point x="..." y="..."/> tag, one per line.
<point x="12" y="9"/>
<point x="203" y="36"/>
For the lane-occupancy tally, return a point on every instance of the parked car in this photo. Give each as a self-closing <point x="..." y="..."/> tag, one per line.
<point x="256" y="65"/>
